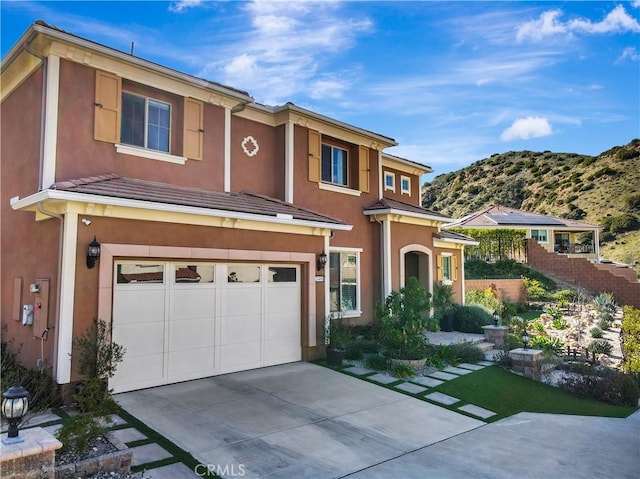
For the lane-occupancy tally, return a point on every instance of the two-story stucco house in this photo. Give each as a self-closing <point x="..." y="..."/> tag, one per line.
<point x="214" y="214"/>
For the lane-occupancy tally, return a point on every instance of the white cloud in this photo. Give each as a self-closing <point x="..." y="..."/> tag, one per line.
<point x="182" y="5"/>
<point x="629" y="53"/>
<point x="635" y="3"/>
<point x="549" y="24"/>
<point x="525" y="128"/>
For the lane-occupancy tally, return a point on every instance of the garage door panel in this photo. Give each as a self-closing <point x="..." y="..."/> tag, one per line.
<point x="282" y="325"/>
<point x="191" y="333"/>
<point x="280" y="300"/>
<point x="236" y="357"/>
<point x="192" y="303"/>
<point x="138" y="305"/>
<point x="284" y="349"/>
<point x="240" y="329"/>
<point x="139" y="371"/>
<point x="140" y="339"/>
<point x="240" y="300"/>
<point x="191" y="363"/>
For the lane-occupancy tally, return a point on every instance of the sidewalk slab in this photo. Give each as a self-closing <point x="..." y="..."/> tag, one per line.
<point x="473" y="367"/>
<point x="444" y="376"/>
<point x="427" y="381"/>
<point x="486" y="363"/>
<point x="129" y="434"/>
<point x="458" y="371"/>
<point x="442" y="398"/>
<point x="382" y="378"/>
<point x="148" y="453"/>
<point x="411" y="388"/>
<point x="173" y="471"/>
<point x="477" y="411"/>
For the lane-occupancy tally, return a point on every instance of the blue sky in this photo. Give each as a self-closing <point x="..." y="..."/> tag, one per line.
<point x="452" y="82"/>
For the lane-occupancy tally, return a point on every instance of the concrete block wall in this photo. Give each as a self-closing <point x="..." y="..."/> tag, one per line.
<point x="511" y="290"/>
<point x="582" y="273"/>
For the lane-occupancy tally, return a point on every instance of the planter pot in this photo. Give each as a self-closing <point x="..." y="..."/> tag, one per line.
<point x="446" y="323"/>
<point x="335" y="356"/>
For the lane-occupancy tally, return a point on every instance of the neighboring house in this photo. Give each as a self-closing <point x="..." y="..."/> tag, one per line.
<point x="214" y="215"/>
<point x="555" y="234"/>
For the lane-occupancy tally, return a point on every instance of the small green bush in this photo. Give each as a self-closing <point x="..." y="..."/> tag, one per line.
<point x="548" y="344"/>
<point x="630" y="337"/>
<point x="486" y="299"/>
<point x="600" y="346"/>
<point x="560" y="323"/>
<point x="402" y="371"/>
<point x="377" y="362"/>
<point x="603" y="384"/>
<point x="467" y="352"/>
<point x="535" y="290"/>
<point x="596" y="332"/>
<point x="355" y="351"/>
<point x="565" y="294"/>
<point x="603" y="324"/>
<point x="77" y="432"/>
<point x="554" y="312"/>
<point x="470" y="319"/>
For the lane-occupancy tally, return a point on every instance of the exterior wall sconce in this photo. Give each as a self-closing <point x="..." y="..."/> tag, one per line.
<point x="93" y="253"/>
<point x="15" y="404"/>
<point x="496" y="318"/>
<point x="322" y="261"/>
<point x="525" y="339"/>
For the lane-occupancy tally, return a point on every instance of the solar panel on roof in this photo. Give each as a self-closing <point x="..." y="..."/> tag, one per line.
<point x="522" y="219"/>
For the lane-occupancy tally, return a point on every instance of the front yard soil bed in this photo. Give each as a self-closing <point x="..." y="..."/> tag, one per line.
<point x="103" y="458"/>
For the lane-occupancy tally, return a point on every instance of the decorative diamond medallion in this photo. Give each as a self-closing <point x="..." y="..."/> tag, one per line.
<point x="250" y="146"/>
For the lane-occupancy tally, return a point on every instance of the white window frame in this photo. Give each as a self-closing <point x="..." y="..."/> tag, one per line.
<point x="446" y="259"/>
<point x="347" y="160"/>
<point x="146" y="122"/>
<point x="348" y="313"/>
<point x="546" y="240"/>
<point x="403" y="190"/>
<point x="392" y="187"/>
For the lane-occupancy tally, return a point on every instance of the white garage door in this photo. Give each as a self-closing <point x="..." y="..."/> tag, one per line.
<point x="180" y="321"/>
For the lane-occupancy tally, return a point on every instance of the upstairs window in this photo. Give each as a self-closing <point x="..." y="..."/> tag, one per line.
<point x="145" y="122"/>
<point x="405" y="185"/>
<point x="389" y="181"/>
<point x="334" y="165"/>
<point x="539" y="235"/>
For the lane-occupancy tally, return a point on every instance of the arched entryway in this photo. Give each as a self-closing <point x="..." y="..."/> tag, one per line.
<point x="415" y="260"/>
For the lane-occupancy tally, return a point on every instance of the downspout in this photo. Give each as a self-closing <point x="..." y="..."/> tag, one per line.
<point x="41" y="209"/>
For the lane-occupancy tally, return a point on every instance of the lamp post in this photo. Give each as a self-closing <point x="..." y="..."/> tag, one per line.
<point x="525" y="339"/>
<point x="15" y="404"/>
<point x="496" y="317"/>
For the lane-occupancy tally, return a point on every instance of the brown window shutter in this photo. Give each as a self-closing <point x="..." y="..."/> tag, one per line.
<point x="363" y="169"/>
<point x="193" y="129"/>
<point x="454" y="268"/>
<point x="315" y="156"/>
<point x="106" y="125"/>
<point x="439" y="273"/>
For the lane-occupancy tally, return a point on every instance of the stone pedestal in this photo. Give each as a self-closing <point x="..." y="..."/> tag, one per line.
<point x="528" y="362"/>
<point x="498" y="335"/>
<point x="33" y="458"/>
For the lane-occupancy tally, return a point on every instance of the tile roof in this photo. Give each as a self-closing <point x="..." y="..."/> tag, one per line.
<point x="496" y="216"/>
<point x="391" y="204"/>
<point x="113" y="185"/>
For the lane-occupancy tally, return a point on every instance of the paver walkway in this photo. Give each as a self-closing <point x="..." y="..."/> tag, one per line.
<point x="420" y="386"/>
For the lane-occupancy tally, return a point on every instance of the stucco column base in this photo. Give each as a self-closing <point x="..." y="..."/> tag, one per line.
<point x="528" y="362"/>
<point x="33" y="458"/>
<point x="498" y="335"/>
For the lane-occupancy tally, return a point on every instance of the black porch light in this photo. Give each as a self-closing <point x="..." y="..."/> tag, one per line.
<point x="15" y="404"/>
<point x="525" y="338"/>
<point x="322" y="261"/>
<point x="93" y="253"/>
<point x="496" y="317"/>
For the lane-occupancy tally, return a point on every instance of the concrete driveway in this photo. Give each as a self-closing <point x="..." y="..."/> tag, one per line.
<point x="305" y="421"/>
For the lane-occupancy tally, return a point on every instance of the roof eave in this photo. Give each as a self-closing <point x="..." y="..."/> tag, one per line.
<point x="58" y="195"/>
<point x="393" y="211"/>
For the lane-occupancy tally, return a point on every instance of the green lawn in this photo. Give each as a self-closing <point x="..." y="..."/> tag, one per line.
<point x="506" y="393"/>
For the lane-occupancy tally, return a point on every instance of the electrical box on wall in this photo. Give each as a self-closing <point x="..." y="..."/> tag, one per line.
<point x="27" y="314"/>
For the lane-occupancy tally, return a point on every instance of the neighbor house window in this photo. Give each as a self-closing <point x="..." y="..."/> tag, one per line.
<point x="539" y="235"/>
<point x="145" y="122"/>
<point x="334" y="164"/>
<point x="389" y="181"/>
<point x="446" y="268"/>
<point x="344" y="276"/>
<point x="405" y="185"/>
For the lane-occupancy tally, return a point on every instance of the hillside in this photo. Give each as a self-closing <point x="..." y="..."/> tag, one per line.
<point x="603" y="189"/>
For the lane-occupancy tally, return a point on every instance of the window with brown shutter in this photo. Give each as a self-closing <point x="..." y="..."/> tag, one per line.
<point x="107" y="107"/>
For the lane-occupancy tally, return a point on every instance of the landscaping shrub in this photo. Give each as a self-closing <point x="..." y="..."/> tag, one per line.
<point x="440" y="356"/>
<point x="486" y="299"/>
<point x="603" y="324"/>
<point x="630" y="338"/>
<point x="402" y="371"/>
<point x="596" y="332"/>
<point x="548" y="344"/>
<point x="600" y="346"/>
<point x="467" y="352"/>
<point x="43" y="391"/>
<point x="376" y="362"/>
<point x="535" y="290"/>
<point x="560" y="323"/>
<point x="606" y="306"/>
<point x="603" y="384"/>
<point x="78" y="432"/>
<point x="565" y="295"/>
<point x="470" y="319"/>
<point x="355" y="351"/>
